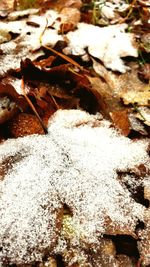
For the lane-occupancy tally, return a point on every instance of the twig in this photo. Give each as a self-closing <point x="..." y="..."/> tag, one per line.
<point x="65" y="57"/>
<point x="68" y="59"/>
<point x="32" y="106"/>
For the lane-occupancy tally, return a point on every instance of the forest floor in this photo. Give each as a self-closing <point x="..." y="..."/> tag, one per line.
<point x="92" y="56"/>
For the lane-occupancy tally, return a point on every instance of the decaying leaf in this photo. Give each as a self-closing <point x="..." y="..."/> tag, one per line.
<point x="109" y="103"/>
<point x="144" y="3"/>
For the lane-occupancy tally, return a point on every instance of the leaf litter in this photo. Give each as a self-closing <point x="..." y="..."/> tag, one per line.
<point x="50" y="60"/>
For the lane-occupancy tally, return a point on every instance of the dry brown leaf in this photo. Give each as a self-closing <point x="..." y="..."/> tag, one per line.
<point x="71" y="17"/>
<point x="25" y="124"/>
<point x="142" y="98"/>
<point x="105" y="96"/>
<point x="122" y="84"/>
<point x="144" y="3"/>
<point x="126" y="86"/>
<point x="121" y="121"/>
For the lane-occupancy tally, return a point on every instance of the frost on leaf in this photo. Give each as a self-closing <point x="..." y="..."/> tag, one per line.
<point x="112" y="43"/>
<point x="76" y="164"/>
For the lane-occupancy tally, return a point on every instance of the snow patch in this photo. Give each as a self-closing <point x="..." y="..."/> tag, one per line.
<point x="75" y="163"/>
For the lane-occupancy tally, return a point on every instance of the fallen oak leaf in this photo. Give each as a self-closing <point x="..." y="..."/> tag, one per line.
<point x="10" y="100"/>
<point x="127" y="86"/>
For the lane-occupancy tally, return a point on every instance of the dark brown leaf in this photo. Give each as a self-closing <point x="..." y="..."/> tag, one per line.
<point x="145" y="71"/>
<point x="7" y="89"/>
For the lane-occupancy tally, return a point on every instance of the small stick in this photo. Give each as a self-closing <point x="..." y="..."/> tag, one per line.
<point x="65" y="57"/>
<point x="32" y="107"/>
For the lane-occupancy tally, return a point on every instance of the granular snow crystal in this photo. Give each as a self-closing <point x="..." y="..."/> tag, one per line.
<point x="75" y="164"/>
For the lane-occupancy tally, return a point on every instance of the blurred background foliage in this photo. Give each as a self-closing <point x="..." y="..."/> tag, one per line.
<point x="20" y="4"/>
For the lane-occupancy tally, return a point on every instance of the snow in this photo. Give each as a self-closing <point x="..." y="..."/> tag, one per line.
<point x="76" y="163"/>
<point x="111" y="44"/>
